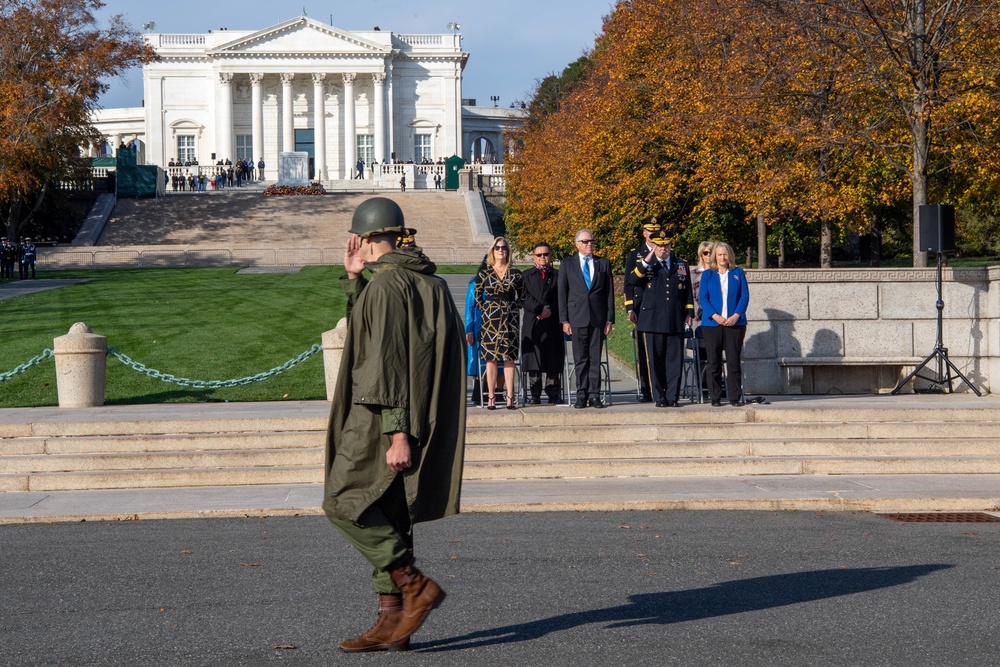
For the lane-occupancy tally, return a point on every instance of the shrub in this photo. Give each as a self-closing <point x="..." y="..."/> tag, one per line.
<point x="287" y="190"/>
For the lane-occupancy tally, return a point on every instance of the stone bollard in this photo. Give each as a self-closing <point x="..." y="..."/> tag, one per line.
<point x="333" y="352"/>
<point x="81" y="363"/>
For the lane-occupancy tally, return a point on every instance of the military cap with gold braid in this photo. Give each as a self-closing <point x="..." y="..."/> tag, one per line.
<point x="409" y="237"/>
<point x="660" y="238"/>
<point x="651" y="224"/>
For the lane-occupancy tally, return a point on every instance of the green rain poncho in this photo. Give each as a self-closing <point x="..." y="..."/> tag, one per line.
<point x="405" y="348"/>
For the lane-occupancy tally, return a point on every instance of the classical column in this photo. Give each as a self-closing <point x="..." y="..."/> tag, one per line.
<point x="350" y="126"/>
<point x="459" y="147"/>
<point x="392" y="113"/>
<point x="224" y="118"/>
<point x="379" y="80"/>
<point x="256" y="116"/>
<point x="287" y="113"/>
<point x="319" y="122"/>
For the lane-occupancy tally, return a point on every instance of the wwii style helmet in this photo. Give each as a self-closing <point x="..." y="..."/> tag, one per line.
<point x="377" y="215"/>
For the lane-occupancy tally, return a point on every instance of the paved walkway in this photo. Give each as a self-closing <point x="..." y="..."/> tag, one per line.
<point x="863" y="492"/>
<point x="14" y="288"/>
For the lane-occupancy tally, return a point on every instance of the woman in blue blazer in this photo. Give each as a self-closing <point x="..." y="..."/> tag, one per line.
<point x="724" y="296"/>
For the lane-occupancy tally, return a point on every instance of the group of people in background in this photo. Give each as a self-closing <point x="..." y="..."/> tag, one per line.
<point x="668" y="301"/>
<point x="224" y="174"/>
<point x="510" y="313"/>
<point x="23" y="254"/>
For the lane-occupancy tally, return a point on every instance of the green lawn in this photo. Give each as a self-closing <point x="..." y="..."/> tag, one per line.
<point x="620" y="339"/>
<point x="203" y="324"/>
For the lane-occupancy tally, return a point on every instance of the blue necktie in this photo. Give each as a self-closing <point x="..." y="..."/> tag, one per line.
<point x="586" y="271"/>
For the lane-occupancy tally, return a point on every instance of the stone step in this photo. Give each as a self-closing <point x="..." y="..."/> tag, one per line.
<point x="704" y="414"/>
<point x="750" y="439"/>
<point x="260" y="458"/>
<point x="247" y="219"/>
<point x="158" y="479"/>
<point x="750" y="432"/>
<point x="477" y="420"/>
<point x="495" y="470"/>
<point x="307" y="418"/>
<point x="155" y="426"/>
<point x="513" y="470"/>
<point x="307" y="449"/>
<point x="135" y="447"/>
<point x="724" y="449"/>
<point x="88" y="445"/>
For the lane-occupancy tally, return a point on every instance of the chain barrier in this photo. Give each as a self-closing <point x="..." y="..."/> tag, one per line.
<point x="34" y="361"/>
<point x="211" y="384"/>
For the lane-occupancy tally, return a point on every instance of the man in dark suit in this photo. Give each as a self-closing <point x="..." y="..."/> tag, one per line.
<point x="587" y="311"/>
<point x="542" y="347"/>
<point x="664" y="316"/>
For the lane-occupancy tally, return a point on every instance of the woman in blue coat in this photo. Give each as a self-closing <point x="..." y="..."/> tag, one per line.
<point x="724" y="296"/>
<point x="473" y="328"/>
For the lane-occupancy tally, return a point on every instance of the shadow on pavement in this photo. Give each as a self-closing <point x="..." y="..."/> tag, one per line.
<point x="731" y="597"/>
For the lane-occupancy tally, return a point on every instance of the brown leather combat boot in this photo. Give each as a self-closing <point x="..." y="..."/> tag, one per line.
<point x="377" y="637"/>
<point x="420" y="596"/>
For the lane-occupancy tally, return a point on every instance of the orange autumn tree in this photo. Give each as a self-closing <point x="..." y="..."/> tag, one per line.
<point x="52" y="59"/>
<point x="927" y="63"/>
<point x="610" y="154"/>
<point x="774" y="135"/>
<point x="686" y="108"/>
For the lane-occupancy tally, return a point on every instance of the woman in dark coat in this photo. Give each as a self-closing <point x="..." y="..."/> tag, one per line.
<point x="499" y="292"/>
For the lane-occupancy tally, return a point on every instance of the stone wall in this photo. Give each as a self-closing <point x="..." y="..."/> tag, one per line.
<point x="861" y="314"/>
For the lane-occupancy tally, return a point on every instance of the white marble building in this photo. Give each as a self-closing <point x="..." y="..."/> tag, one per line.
<point x="300" y="85"/>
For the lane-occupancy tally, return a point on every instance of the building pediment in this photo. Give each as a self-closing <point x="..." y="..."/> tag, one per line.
<point x="300" y="36"/>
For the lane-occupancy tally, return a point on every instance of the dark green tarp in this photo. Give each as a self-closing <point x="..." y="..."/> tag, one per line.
<point x="136" y="180"/>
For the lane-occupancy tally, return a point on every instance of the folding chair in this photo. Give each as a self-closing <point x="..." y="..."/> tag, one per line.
<point x="569" y="369"/>
<point x="635" y="365"/>
<point x="691" y="367"/>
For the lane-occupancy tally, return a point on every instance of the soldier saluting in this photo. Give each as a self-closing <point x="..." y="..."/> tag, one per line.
<point x="664" y="315"/>
<point x="633" y="302"/>
<point x="397" y="424"/>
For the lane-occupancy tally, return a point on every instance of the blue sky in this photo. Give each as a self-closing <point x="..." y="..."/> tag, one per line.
<point x="512" y="43"/>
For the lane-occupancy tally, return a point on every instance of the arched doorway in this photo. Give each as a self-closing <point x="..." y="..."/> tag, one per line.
<point x="483" y="150"/>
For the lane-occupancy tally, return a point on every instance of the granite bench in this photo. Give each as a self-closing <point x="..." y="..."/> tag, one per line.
<point x="799" y="371"/>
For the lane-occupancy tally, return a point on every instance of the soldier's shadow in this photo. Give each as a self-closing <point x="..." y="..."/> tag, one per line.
<point x="731" y="597"/>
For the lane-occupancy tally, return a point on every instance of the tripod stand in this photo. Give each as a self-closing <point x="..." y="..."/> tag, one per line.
<point x="940" y="353"/>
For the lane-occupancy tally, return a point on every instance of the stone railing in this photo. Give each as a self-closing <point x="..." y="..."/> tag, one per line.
<point x="180" y="40"/>
<point x="421" y="40"/>
<point x="882" y="315"/>
<point x="488" y="169"/>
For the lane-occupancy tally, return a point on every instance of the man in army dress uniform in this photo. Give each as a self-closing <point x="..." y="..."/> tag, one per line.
<point x="397" y="424"/>
<point x="542" y="347"/>
<point x="409" y="238"/>
<point x="8" y="255"/>
<point x="665" y="313"/>
<point x="27" y="259"/>
<point x="633" y="303"/>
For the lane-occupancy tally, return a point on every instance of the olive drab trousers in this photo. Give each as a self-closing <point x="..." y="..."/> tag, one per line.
<point x="383" y="534"/>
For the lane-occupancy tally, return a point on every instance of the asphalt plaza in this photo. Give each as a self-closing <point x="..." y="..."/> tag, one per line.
<point x="549" y="588"/>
